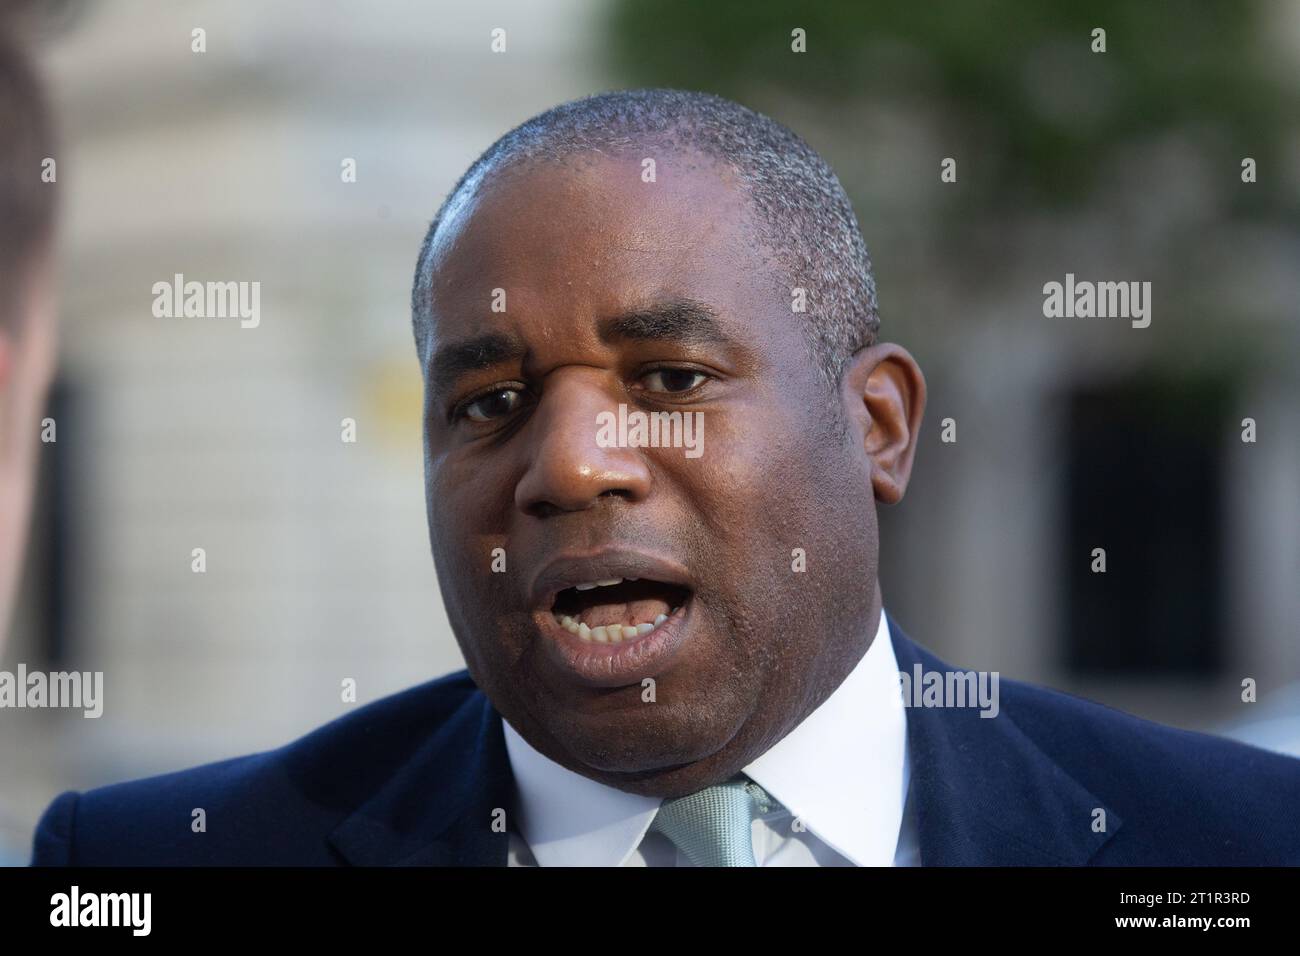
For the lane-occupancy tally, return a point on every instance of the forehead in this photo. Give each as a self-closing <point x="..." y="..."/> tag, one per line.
<point x="598" y="234"/>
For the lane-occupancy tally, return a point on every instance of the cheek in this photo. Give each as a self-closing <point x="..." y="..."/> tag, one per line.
<point x="470" y="506"/>
<point x="767" y="479"/>
<point x="476" y="570"/>
<point x="787" y="517"/>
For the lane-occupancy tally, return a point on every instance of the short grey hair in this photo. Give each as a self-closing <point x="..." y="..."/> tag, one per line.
<point x="804" y="214"/>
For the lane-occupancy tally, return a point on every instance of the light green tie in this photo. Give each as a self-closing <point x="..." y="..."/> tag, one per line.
<point x="712" y="827"/>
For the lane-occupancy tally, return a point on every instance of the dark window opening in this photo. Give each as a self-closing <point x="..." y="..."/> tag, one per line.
<point x="1145" y="483"/>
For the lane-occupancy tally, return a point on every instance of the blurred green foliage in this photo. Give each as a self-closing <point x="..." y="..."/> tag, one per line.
<point x="1019" y="78"/>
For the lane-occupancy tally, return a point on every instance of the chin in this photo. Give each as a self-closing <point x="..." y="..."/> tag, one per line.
<point x="675" y="780"/>
<point x="649" y="742"/>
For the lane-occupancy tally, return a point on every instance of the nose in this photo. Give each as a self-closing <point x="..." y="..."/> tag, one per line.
<point x="568" y="469"/>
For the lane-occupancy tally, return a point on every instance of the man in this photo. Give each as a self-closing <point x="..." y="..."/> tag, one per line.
<point x="676" y="644"/>
<point x="27" y="331"/>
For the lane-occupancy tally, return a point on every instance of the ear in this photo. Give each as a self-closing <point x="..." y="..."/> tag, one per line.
<point x="883" y="392"/>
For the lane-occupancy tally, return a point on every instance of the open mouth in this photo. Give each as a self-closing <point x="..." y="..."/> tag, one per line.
<point x="615" y="610"/>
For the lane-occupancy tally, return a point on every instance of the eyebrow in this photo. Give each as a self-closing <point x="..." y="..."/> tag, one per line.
<point x="473" y="355"/>
<point x="680" y="320"/>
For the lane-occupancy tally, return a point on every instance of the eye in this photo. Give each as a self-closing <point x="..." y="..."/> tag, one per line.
<point x="674" y="380"/>
<point x="491" y="406"/>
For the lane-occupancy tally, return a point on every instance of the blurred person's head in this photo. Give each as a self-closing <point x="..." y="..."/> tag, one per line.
<point x="664" y="252"/>
<point x="27" y="328"/>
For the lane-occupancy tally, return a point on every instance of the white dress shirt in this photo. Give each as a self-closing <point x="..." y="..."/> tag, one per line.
<point x="842" y="773"/>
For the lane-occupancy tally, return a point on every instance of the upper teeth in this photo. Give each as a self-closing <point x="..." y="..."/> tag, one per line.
<point x="608" y="582"/>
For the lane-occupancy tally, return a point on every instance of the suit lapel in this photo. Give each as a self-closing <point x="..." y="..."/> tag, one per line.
<point x="438" y="810"/>
<point x="985" y="793"/>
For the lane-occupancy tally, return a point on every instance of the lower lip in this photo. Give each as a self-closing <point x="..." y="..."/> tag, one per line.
<point x="615" y="665"/>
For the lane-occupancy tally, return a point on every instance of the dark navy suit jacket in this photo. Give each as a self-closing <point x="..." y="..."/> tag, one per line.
<point x="414" y="778"/>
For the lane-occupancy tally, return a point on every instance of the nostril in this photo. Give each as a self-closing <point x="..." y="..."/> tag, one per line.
<point x="543" y="509"/>
<point x="550" y="509"/>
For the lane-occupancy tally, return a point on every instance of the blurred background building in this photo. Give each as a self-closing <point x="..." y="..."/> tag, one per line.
<point x="1071" y="434"/>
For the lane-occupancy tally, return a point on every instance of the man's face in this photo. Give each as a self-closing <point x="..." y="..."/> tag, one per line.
<point x="757" y="555"/>
<point x="27" y="351"/>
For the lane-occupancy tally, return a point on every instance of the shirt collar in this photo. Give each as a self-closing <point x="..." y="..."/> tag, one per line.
<point x="842" y="771"/>
<point x="571" y="820"/>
